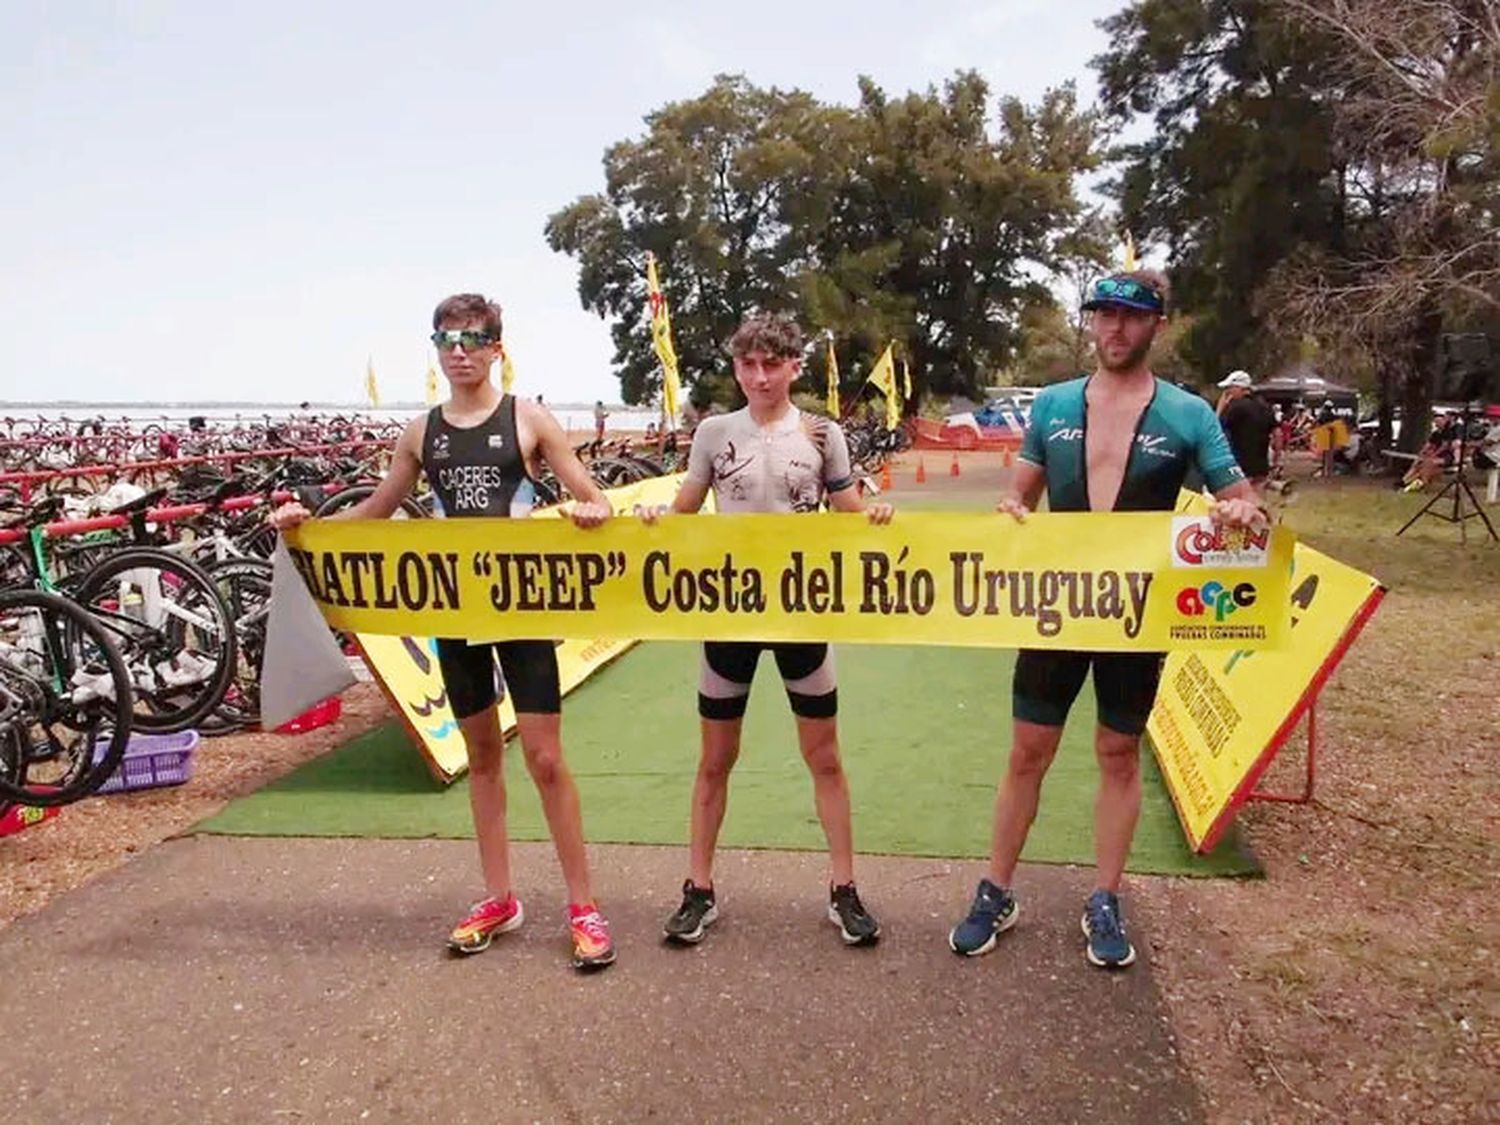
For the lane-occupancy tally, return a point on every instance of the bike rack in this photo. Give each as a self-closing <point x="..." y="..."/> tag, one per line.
<point x="171" y="513"/>
<point x="28" y="480"/>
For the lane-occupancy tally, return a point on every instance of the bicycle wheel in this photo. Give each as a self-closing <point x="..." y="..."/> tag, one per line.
<point x="650" y="467"/>
<point x="352" y="495"/>
<point x="612" y="472"/>
<point x="258" y="541"/>
<point x="65" y="701"/>
<point x="245" y="585"/>
<point x="173" y="630"/>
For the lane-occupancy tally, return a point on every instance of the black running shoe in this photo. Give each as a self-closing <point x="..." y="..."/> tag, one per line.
<point x="855" y="923"/>
<point x="692" y="919"/>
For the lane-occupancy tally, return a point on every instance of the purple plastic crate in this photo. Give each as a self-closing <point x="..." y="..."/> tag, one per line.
<point x="152" y="760"/>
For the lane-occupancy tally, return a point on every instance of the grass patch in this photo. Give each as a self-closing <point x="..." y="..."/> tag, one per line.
<point x="924" y="733"/>
<point x="1356" y="523"/>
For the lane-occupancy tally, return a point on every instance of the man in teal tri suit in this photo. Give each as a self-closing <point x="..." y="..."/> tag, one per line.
<point x="1120" y="440"/>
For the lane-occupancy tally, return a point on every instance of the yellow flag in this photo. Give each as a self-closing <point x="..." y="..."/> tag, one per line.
<point x="507" y="371"/>
<point x="432" y="386"/>
<point x="1131" y="262"/>
<point x="883" y="375"/>
<point x="833" y="380"/>
<point x="661" y="340"/>
<point x="371" y="390"/>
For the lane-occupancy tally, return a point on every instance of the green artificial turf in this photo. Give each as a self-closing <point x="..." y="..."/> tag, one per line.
<point x="924" y="733"/>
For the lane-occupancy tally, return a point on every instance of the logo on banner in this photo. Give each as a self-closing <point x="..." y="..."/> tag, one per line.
<point x="1197" y="542"/>
<point x="1215" y="598"/>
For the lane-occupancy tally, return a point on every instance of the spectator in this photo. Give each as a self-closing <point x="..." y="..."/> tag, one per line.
<point x="1436" y="454"/>
<point x="1249" y="423"/>
<point x="1487" y="450"/>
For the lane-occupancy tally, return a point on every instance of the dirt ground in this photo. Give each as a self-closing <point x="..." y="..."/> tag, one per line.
<point x="93" y="836"/>
<point x="1358" y="979"/>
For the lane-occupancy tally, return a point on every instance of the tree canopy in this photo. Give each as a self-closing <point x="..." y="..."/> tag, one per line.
<point x="931" y="220"/>
<point x="1237" y="171"/>
<point x="1321" y="172"/>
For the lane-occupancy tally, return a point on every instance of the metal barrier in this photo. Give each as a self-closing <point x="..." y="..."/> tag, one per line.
<point x="169" y="514"/>
<point x="29" y="480"/>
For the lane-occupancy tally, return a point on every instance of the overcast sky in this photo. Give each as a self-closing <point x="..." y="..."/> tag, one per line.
<point x="212" y="201"/>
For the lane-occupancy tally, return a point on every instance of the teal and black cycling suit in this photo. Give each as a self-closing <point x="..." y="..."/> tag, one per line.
<point x="1176" y="432"/>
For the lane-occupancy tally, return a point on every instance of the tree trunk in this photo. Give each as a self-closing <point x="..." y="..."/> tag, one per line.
<point x="1385" y="405"/>
<point x="1416" y="398"/>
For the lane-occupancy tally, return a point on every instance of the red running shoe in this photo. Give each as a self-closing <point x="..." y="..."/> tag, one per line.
<point x="486" y="919"/>
<point x="592" y="947"/>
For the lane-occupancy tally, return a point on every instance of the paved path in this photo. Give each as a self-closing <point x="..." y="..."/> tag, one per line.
<point x="222" y="979"/>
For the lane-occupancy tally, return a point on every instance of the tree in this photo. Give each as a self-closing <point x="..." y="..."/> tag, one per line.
<point x="1415" y="116"/>
<point x="1050" y="349"/>
<point x="940" y="234"/>
<point x="1238" y="172"/>
<point x="925" y="220"/>
<point x="1324" y="174"/>
<point x="711" y="190"/>
<point x="1083" y="254"/>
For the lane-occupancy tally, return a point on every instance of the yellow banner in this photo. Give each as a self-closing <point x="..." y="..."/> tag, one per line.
<point x="1220" y="717"/>
<point x="1134" y="581"/>
<point x="406" y="667"/>
<point x="407" y="670"/>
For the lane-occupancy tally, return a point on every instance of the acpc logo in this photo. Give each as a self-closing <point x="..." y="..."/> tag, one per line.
<point x="1214" y="597"/>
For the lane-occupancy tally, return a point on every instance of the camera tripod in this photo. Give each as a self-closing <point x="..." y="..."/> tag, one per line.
<point x="1458" y="490"/>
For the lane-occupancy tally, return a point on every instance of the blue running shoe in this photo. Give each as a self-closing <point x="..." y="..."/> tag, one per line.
<point x="994" y="911"/>
<point x="1108" y="947"/>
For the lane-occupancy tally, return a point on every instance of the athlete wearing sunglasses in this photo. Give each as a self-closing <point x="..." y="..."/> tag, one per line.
<point x="1118" y="440"/>
<point x="481" y="452"/>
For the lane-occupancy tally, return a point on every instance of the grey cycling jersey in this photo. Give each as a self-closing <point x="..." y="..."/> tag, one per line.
<point x="787" y="466"/>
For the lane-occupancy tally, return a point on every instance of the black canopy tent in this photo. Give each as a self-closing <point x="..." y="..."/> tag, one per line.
<point x="1301" y="385"/>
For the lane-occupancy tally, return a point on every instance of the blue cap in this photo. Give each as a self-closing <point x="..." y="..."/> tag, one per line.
<point x="1125" y="292"/>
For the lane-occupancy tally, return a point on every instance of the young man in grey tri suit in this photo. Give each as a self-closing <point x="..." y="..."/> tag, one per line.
<point x="769" y="457"/>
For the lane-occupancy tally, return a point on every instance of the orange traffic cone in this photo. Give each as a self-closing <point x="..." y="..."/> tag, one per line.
<point x="921" y="471"/>
<point x="885" y="476"/>
<point x="953" y="469"/>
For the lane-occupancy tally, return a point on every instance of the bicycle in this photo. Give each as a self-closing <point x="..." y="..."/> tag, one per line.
<point x="163" y="612"/>
<point x="63" y="685"/>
